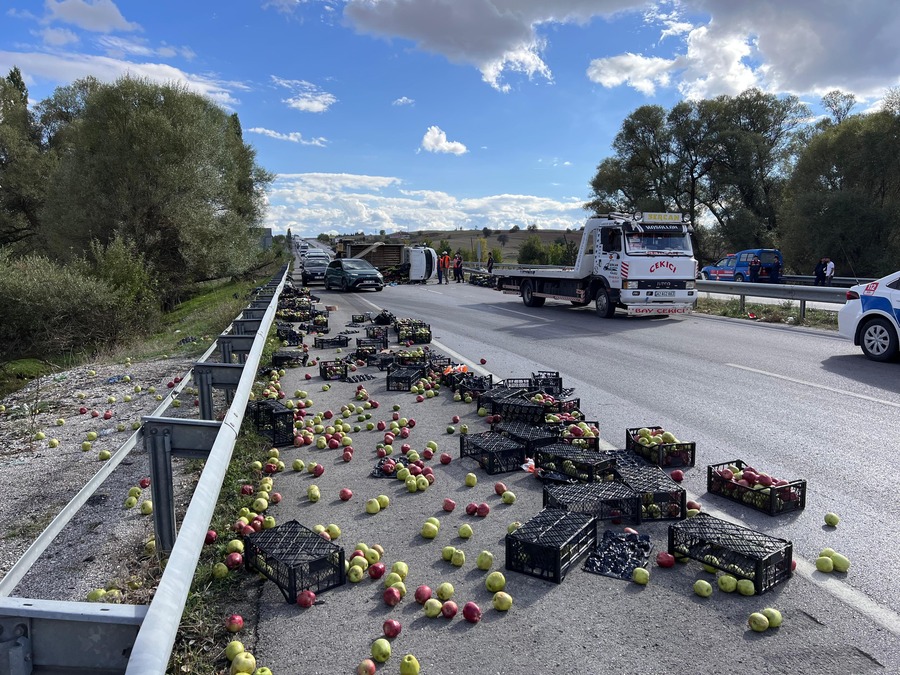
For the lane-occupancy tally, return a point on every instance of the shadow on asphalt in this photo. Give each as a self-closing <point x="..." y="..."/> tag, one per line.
<point x="857" y="367"/>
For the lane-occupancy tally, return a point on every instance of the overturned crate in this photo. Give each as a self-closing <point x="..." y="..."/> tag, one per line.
<point x="377" y="331"/>
<point x="581" y="434"/>
<point x="547" y="381"/>
<point x="333" y="370"/>
<point x="494" y="452"/>
<point x="669" y="455"/>
<point x="365" y="347"/>
<point x="661" y="497"/>
<point x="739" y="551"/>
<point x="611" y="501"/>
<point x="772" y="500"/>
<point x="473" y="385"/>
<point x="532" y="436"/>
<point x="587" y="466"/>
<point x="289" y="358"/>
<point x="518" y="408"/>
<point x="332" y="342"/>
<point x="273" y="421"/>
<point x="295" y="558"/>
<point x="550" y="543"/>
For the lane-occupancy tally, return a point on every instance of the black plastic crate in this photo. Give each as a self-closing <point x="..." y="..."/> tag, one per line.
<point x="566" y="434"/>
<point x="439" y="362"/>
<point x="332" y="342"/>
<point x="516" y="383"/>
<point x="588" y="466"/>
<point x="772" y="500"/>
<point x="558" y="406"/>
<point x="744" y="553"/>
<point x="273" y="420"/>
<point x="358" y="318"/>
<point x="292" y="337"/>
<point x="548" y="381"/>
<point x="376" y="342"/>
<point x="518" y="408"/>
<point x="417" y="332"/>
<point x="494" y="452"/>
<point x="380" y="361"/>
<point x="295" y="558"/>
<point x="320" y="323"/>
<point x="661" y="497"/>
<point x="495" y="394"/>
<point x="402" y="378"/>
<point x="289" y="359"/>
<point x="550" y="543"/>
<point x="670" y="455"/>
<point x="474" y="385"/>
<point x="412" y="357"/>
<point x="533" y="436"/>
<point x="605" y="501"/>
<point x="377" y="331"/>
<point x="333" y="370"/>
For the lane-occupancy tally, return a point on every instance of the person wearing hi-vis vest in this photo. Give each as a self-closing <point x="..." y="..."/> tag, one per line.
<point x="444" y="268"/>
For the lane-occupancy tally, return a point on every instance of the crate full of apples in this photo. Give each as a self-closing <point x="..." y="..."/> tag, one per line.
<point x="660" y="447"/>
<point x="741" y="483"/>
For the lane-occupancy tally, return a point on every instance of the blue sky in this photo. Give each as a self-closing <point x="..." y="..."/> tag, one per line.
<point x="448" y="114"/>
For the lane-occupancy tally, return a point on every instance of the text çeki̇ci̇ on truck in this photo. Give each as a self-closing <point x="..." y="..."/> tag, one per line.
<point x="643" y="263"/>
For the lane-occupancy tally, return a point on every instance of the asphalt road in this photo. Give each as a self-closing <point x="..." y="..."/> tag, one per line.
<point x="796" y="403"/>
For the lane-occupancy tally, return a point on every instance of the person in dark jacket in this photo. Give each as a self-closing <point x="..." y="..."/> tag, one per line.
<point x="775" y="271"/>
<point x="819" y="273"/>
<point x="490" y="263"/>
<point x="458" y="268"/>
<point x="754" y="268"/>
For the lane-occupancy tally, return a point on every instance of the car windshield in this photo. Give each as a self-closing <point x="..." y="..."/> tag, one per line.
<point x="316" y="263"/>
<point x="643" y="243"/>
<point x="357" y="265"/>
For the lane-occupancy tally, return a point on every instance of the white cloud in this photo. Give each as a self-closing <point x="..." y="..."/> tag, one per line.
<point x="319" y="202"/>
<point x="57" y="37"/>
<point x="117" y="47"/>
<point x="403" y="100"/>
<point x="307" y="97"/>
<point x="99" y="16"/>
<point x="67" y="67"/>
<point x="643" y="73"/>
<point x="435" y="140"/>
<point x="293" y="137"/>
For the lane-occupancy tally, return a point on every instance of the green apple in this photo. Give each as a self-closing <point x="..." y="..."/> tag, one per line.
<point x="53" y="443"/>
<point x="433" y="607"/>
<point x="333" y="531"/>
<point x="746" y="587"/>
<point x="400" y="568"/>
<point x="432" y="445"/>
<point x="391" y="578"/>
<point x="841" y="563"/>
<point x="360" y="561"/>
<point x="96" y="595"/>
<point x="513" y="526"/>
<point x="465" y="531"/>
<point x="471" y="480"/>
<point x="244" y="662"/>
<point x="485" y="560"/>
<point x="824" y="564"/>
<point x="508" y="497"/>
<point x="400" y="586"/>
<point x="495" y="581"/>
<point x="422" y="483"/>
<point x="502" y="601"/>
<point x="260" y="504"/>
<point x="60" y="422"/>
<point x="832" y="519"/>
<point x="403" y="474"/>
<point x="703" y="588"/>
<point x="464" y="429"/>
<point x="429" y="531"/>
<point x="147" y="507"/>
<point x="409" y="665"/>
<point x="298" y="465"/>
<point x="727" y="583"/>
<point x="758" y="622"/>
<point x="220" y="570"/>
<point x="451" y="429"/>
<point x="355" y="574"/>
<point x="641" y="576"/>
<point x="234" y="546"/>
<point x="445" y="591"/>
<point x="458" y="559"/>
<point x="233" y="649"/>
<point x="434" y="521"/>
<point x="447" y="552"/>
<point x="412" y="484"/>
<point x="774" y="617"/>
<point x="130" y="502"/>
<point x="372" y="556"/>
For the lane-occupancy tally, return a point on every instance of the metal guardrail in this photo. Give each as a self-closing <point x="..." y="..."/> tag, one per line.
<point x="50" y="636"/>
<point x="801" y="294"/>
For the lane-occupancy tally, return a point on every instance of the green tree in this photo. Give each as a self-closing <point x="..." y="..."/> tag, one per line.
<point x="498" y="254"/>
<point x="514" y="228"/>
<point x="486" y="232"/>
<point x="168" y="170"/>
<point x="532" y="251"/>
<point x="502" y="239"/>
<point x="843" y="199"/>
<point x="532" y="228"/>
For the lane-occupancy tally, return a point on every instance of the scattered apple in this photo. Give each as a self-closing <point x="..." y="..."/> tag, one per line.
<point x="471" y="612"/>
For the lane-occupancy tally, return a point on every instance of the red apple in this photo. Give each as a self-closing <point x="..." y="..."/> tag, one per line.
<point x="404" y="433"/>
<point x="308" y="376"/>
<point x="270" y="467"/>
<point x="445" y="458"/>
<point x="144" y="483"/>
<point x="500" y="488"/>
<point x="391" y="596"/>
<point x="170" y="384"/>
<point x="428" y="453"/>
<point x="345" y="494"/>
<point x="306" y="598"/>
<point x="247" y="530"/>
<point x="377" y="570"/>
<point x="449" y="504"/>
<point x="381" y="426"/>
<point x="471" y="612"/>
<point x="391" y="628"/>
<point x="327" y="414"/>
<point x="234" y="560"/>
<point x="449" y="609"/>
<point x="423" y="593"/>
<point x="366" y="667"/>
<point x="347" y="456"/>
<point x="678" y="475"/>
<point x="211" y="536"/>
<point x="415" y="469"/>
<point x="234" y="623"/>
<point x="420" y="398"/>
<point x="107" y="415"/>
<point x="411" y="423"/>
<point x="429" y="477"/>
<point x="483" y="361"/>
<point x="471" y="508"/>
<point x="630" y="530"/>
<point x="95" y="413"/>
<point x="693" y="505"/>
<point x="275" y="497"/>
<point x="395" y="416"/>
<point x="665" y="559"/>
<point x="455" y="419"/>
<point x="482" y="510"/>
<point x="405" y="448"/>
<point x="82" y="410"/>
<point x="319" y="470"/>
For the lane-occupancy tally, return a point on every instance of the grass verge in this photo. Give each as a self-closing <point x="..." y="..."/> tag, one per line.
<point x="785" y="312"/>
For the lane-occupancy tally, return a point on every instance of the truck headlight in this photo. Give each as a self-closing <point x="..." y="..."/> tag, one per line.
<point x="689" y="284"/>
<point x="631" y="284"/>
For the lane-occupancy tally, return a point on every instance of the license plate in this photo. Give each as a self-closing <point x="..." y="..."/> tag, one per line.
<point x="366" y="283"/>
<point x="664" y="294"/>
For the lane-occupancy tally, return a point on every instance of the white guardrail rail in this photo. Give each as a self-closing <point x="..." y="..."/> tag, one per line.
<point x="51" y="637"/>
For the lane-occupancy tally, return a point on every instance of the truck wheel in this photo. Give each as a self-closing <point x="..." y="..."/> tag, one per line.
<point x="878" y="340"/>
<point x="739" y="278"/>
<point x="528" y="296"/>
<point x="605" y="308"/>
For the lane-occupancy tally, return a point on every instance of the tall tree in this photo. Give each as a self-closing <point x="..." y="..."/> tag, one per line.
<point x="164" y="168"/>
<point x="838" y="104"/>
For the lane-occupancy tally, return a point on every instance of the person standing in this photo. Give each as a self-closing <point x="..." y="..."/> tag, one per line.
<point x="440" y="269"/>
<point x="775" y="271"/>
<point x="458" y="268"/>
<point x="445" y="267"/>
<point x="819" y="273"/>
<point x="754" y="268"/>
<point x="490" y="263"/>
<point x="829" y="271"/>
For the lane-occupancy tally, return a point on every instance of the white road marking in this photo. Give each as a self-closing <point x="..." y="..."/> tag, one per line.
<point x="843" y="592"/>
<point x="816" y="386"/>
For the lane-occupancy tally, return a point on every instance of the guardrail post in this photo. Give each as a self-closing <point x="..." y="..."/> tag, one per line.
<point x="231" y="344"/>
<point x="245" y="326"/>
<point x="743" y="304"/>
<point x="254" y="313"/>
<point x="803" y="310"/>
<point x="216" y="375"/>
<point x="164" y="438"/>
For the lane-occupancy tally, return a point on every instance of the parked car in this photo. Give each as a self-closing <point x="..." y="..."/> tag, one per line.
<point x="736" y="266"/>
<point x="314" y="270"/>
<point x="871" y="317"/>
<point x="352" y="274"/>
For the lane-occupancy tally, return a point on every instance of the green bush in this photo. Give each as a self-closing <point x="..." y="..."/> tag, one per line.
<point x="50" y="309"/>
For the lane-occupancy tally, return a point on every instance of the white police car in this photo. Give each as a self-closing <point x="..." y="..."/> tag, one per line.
<point x="871" y="317"/>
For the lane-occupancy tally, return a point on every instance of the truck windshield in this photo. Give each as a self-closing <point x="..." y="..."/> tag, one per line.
<point x="637" y="243"/>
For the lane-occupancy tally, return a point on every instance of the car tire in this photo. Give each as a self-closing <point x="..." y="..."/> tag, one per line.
<point x="327" y="285"/>
<point x="344" y="285"/>
<point x="380" y="288"/>
<point x="739" y="278"/>
<point x="878" y="340"/>
<point x="528" y="296"/>
<point x="603" y="305"/>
